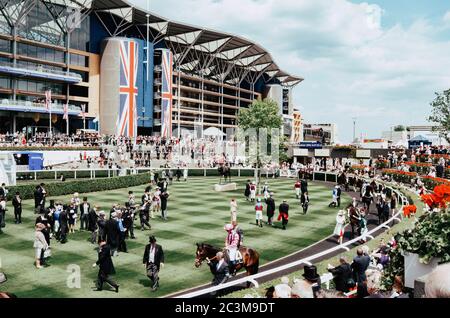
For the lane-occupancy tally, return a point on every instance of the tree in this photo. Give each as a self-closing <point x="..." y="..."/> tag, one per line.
<point x="440" y="114"/>
<point x="399" y="128"/>
<point x="262" y="114"/>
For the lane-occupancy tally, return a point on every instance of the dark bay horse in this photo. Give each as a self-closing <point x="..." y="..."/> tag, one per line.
<point x="250" y="258"/>
<point x="354" y="220"/>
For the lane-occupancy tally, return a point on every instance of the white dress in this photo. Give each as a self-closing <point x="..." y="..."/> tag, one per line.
<point x="340" y="225"/>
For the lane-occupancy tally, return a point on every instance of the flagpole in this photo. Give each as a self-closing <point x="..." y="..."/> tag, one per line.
<point x="67" y="119"/>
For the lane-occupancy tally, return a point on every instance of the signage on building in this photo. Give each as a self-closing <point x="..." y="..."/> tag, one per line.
<point x="322" y="152"/>
<point x="311" y="145"/>
<point x="363" y="154"/>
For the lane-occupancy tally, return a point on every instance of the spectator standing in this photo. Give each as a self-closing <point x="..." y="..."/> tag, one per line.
<point x="40" y="244"/>
<point x="342" y="276"/>
<point x="106" y="267"/>
<point x="17" y="204"/>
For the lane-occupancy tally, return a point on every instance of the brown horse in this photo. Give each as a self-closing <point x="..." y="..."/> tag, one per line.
<point x="354" y="220"/>
<point x="250" y="258"/>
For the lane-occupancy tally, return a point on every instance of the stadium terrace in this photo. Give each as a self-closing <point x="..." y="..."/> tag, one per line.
<point x="107" y="65"/>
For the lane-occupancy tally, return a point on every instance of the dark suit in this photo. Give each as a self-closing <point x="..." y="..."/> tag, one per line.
<point x="112" y="234"/>
<point x="63" y="226"/>
<point x="221" y="274"/>
<point x="270" y="209"/>
<point x="159" y="255"/>
<point x="17" y="209"/>
<point x="341" y="276"/>
<point x="284" y="214"/>
<point x="304" y="186"/>
<point x="84" y="219"/>
<point x="359" y="267"/>
<point x="92" y="224"/>
<point x="106" y="267"/>
<point x="164" y="197"/>
<point x="153" y="267"/>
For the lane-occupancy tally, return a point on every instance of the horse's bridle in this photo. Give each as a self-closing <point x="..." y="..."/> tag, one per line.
<point x="199" y="259"/>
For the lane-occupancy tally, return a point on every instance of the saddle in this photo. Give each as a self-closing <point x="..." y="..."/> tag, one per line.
<point x="239" y="258"/>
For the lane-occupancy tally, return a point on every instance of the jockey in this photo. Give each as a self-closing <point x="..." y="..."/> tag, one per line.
<point x="297" y="187"/>
<point x="266" y="191"/>
<point x="231" y="245"/>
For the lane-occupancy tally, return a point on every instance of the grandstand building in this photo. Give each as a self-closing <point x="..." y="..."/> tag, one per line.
<point x="130" y="70"/>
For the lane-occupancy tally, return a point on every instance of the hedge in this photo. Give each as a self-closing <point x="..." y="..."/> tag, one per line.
<point x="82" y="186"/>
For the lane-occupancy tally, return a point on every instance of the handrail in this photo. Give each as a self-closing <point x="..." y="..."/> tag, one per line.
<point x="8" y="102"/>
<point x="41" y="70"/>
<point x="305" y="261"/>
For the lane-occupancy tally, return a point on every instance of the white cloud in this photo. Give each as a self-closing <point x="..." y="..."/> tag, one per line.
<point x="447" y="17"/>
<point x="341" y="49"/>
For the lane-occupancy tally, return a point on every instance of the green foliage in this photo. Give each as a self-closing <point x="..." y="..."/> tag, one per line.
<point x="429" y="239"/>
<point x="395" y="268"/>
<point x="260" y="114"/>
<point x="440" y="114"/>
<point x="399" y="128"/>
<point x="82" y="186"/>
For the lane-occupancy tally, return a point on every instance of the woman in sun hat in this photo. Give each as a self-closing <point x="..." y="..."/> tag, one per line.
<point x="40" y="244"/>
<point x="339" y="230"/>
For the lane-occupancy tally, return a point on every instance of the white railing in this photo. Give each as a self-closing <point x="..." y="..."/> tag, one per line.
<point x="25" y="104"/>
<point x="41" y="69"/>
<point x="304" y="261"/>
<point x="99" y="172"/>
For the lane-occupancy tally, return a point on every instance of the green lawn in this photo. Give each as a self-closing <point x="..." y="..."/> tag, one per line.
<point x="196" y="214"/>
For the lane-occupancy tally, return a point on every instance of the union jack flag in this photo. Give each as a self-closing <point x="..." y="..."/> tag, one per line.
<point x="66" y="111"/>
<point x="166" y="94"/>
<point x="127" y="120"/>
<point x="48" y="99"/>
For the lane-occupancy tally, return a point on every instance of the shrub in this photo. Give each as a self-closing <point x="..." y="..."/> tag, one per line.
<point x="82" y="186"/>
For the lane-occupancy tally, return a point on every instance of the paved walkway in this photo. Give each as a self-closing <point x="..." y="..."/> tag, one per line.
<point x="328" y="243"/>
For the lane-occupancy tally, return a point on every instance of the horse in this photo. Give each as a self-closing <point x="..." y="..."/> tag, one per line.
<point x="225" y="172"/>
<point x="354" y="219"/>
<point x="250" y="258"/>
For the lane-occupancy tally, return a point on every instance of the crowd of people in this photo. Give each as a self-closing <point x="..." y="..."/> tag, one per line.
<point x="57" y="221"/>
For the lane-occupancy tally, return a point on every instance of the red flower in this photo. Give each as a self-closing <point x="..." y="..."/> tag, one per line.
<point x="409" y="210"/>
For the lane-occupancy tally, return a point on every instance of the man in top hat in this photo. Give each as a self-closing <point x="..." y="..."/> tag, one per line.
<point x="2" y="212"/>
<point x="153" y="261"/>
<point x="164" y="198"/>
<point x="92" y="225"/>
<point x="17" y="204"/>
<point x="270" y="209"/>
<point x="309" y="286"/>
<point x="85" y="207"/>
<point x="106" y="267"/>
<point x="284" y="214"/>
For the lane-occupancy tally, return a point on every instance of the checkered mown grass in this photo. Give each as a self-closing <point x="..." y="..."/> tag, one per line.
<point x="196" y="214"/>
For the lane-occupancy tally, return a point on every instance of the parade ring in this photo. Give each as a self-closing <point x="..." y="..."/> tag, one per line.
<point x="196" y="214"/>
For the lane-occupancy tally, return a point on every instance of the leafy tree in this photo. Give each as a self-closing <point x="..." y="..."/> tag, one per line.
<point x="399" y="128"/>
<point x="440" y="114"/>
<point x="262" y="114"/>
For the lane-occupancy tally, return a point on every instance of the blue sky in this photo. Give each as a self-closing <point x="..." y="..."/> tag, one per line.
<point x="380" y="61"/>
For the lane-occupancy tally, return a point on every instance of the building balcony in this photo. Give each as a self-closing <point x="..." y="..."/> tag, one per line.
<point x="27" y="106"/>
<point x="158" y="69"/>
<point x="157" y="122"/>
<point x="39" y="72"/>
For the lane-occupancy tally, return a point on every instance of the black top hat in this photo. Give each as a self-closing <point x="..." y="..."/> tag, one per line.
<point x="310" y="273"/>
<point x="152" y="239"/>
